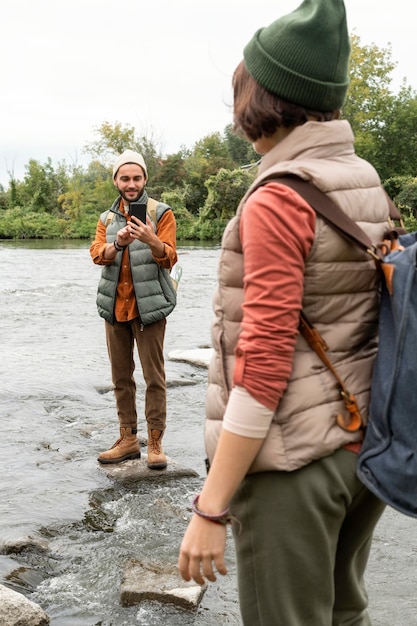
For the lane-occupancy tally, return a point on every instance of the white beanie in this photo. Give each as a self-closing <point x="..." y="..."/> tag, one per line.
<point x="129" y="156"/>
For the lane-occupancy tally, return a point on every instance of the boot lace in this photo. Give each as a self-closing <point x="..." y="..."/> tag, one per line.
<point x="155" y="445"/>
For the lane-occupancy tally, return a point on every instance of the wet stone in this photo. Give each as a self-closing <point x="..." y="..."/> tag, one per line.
<point x="24" y="545"/>
<point x="16" y="609"/>
<point x="137" y="471"/>
<point x="25" y="578"/>
<point x="142" y="583"/>
<point x="200" y="356"/>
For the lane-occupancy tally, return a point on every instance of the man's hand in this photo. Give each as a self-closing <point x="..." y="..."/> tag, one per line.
<point x="124" y="236"/>
<point x="145" y="233"/>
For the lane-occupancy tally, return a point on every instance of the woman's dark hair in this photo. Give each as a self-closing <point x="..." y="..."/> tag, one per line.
<point x="258" y="112"/>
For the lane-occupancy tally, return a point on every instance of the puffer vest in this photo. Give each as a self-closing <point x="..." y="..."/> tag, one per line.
<point x="155" y="294"/>
<point x="341" y="298"/>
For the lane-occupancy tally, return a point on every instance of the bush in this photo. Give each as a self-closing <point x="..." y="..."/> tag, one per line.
<point x="18" y="223"/>
<point x="406" y="200"/>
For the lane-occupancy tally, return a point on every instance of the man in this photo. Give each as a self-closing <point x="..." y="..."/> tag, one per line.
<point x="135" y="295"/>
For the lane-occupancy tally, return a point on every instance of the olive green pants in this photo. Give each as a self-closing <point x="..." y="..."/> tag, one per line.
<point x="304" y="545"/>
<point x="121" y="338"/>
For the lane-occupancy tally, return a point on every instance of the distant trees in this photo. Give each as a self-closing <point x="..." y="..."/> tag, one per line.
<point x="384" y="123"/>
<point x="205" y="183"/>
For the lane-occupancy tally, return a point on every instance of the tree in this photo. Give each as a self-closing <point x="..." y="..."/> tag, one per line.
<point x="396" y="148"/>
<point x="208" y="156"/>
<point x="384" y="124"/>
<point x="169" y="175"/>
<point x="114" y="139"/>
<point x="240" y="150"/>
<point x="41" y="187"/>
<point x="225" y="190"/>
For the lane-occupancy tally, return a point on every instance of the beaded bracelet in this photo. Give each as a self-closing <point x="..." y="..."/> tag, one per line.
<point x="118" y="247"/>
<point x="222" y="518"/>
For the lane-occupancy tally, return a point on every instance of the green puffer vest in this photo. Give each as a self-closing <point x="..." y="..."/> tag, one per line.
<point x="155" y="296"/>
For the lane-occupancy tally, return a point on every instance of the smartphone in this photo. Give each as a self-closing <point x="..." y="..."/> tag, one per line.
<point x="138" y="209"/>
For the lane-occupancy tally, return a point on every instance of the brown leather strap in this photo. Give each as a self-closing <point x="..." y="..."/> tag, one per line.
<point x="353" y="421"/>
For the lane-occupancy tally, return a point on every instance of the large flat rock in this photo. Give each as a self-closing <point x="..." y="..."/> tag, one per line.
<point x="199" y="356"/>
<point x="137" y="471"/>
<point x="163" y="584"/>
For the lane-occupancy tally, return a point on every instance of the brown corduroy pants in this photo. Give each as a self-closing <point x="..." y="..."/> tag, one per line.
<point x="121" y="337"/>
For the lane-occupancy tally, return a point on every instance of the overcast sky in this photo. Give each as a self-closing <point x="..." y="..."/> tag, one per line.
<point x="163" y="67"/>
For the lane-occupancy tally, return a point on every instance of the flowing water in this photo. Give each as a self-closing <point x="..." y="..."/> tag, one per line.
<point x="57" y="413"/>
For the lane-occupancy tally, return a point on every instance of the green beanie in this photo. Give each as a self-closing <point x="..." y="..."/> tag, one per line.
<point x="303" y="57"/>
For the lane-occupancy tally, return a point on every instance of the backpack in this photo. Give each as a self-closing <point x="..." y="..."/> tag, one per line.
<point x="387" y="462"/>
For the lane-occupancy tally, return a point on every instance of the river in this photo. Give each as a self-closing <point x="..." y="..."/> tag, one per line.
<point x="56" y="415"/>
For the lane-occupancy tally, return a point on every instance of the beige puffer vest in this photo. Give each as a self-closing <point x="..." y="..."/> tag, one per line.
<point x="341" y="298"/>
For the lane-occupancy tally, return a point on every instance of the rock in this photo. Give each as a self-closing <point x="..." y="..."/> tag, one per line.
<point x="200" y="356"/>
<point x="16" y="610"/>
<point x="135" y="471"/>
<point x="24" y="545"/>
<point x="25" y="578"/>
<point x="180" y="382"/>
<point x="163" y="584"/>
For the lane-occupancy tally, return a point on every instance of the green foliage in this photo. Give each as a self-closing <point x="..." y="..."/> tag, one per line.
<point x="406" y="200"/>
<point x="208" y="231"/>
<point x="396" y="147"/>
<point x="169" y="175"/>
<point x="225" y="190"/>
<point x="208" y="156"/>
<point x="403" y="191"/>
<point x="42" y="186"/>
<point x="410" y="221"/>
<point x="394" y="185"/>
<point x="204" y="184"/>
<point x="185" y="221"/>
<point x="17" y="223"/>
<point x="384" y="124"/>
<point x="114" y="139"/>
<point x="84" y="227"/>
<point x="370" y="72"/>
<point x="240" y="150"/>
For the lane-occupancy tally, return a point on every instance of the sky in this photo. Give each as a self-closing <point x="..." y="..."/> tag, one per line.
<point x="163" y="67"/>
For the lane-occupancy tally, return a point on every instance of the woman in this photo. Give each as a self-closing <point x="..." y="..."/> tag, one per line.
<point x="282" y="469"/>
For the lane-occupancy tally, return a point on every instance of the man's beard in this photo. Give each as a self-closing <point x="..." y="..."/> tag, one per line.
<point x="129" y="200"/>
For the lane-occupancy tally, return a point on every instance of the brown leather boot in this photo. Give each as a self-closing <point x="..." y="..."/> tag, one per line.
<point x="126" y="447"/>
<point x="156" y="456"/>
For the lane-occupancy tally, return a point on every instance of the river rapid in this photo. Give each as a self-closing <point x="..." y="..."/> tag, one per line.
<point x="57" y="413"/>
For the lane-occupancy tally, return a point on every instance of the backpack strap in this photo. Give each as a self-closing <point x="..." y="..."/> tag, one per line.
<point x="329" y="211"/>
<point x="353" y="421"/>
<point x="347" y="228"/>
<point x="109" y="218"/>
<point x="332" y="214"/>
<point x="151" y="209"/>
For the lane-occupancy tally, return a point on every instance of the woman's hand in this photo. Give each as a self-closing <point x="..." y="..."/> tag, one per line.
<point x="202" y="551"/>
<point x="204" y="542"/>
